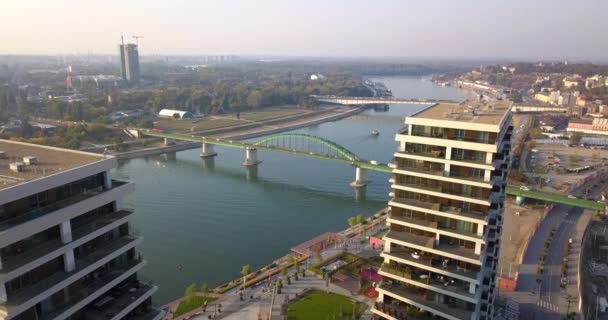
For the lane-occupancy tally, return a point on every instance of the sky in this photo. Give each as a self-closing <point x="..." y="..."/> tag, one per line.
<point x="512" y="29"/>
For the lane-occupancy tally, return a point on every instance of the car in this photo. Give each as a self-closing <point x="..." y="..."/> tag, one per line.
<point x="571" y="196"/>
<point x="524" y="188"/>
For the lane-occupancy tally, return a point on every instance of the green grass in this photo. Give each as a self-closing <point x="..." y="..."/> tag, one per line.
<point x="319" y="305"/>
<point x="186" y="306"/>
<point x="194" y="125"/>
<point x="268" y="115"/>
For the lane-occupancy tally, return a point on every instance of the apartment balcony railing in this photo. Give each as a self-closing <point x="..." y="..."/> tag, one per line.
<point x="23" y="295"/>
<point x="119" y="299"/>
<point x="433" y="261"/>
<point x="425" y="277"/>
<point x="91" y="286"/>
<point x="11" y="263"/>
<point x="424" y="298"/>
<point x="41" y="211"/>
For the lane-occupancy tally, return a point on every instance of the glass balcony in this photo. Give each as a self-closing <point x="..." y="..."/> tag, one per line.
<point x="435" y="205"/>
<point x="438" y="282"/>
<point x="430" y="221"/>
<point x="90" y="286"/>
<point x="21" y="296"/>
<point x="435" y="261"/>
<point x="41" y="211"/>
<point x="12" y="263"/>
<point x="427" y="300"/>
<point x="119" y="299"/>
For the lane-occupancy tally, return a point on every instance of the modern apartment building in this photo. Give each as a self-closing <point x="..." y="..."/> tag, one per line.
<point x="129" y="59"/>
<point x="448" y="188"/>
<point x="66" y="248"/>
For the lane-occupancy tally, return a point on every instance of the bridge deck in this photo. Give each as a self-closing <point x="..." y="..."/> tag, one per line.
<point x="381" y="167"/>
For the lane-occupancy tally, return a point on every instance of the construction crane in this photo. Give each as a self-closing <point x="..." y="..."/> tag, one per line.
<point x="137" y="39"/>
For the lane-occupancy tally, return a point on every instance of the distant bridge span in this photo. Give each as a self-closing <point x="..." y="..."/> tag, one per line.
<point x="373" y="100"/>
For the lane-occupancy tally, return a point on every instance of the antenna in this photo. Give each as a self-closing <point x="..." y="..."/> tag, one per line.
<point x="137" y="39"/>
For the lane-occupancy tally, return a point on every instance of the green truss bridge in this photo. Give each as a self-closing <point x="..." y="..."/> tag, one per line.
<point x="321" y="148"/>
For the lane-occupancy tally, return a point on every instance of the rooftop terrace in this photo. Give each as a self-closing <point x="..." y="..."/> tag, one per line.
<point x="467" y="111"/>
<point x="48" y="160"/>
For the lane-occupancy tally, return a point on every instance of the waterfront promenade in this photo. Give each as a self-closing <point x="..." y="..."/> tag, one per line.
<point x="260" y="299"/>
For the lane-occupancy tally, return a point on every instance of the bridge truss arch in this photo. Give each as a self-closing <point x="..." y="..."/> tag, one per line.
<point x="308" y="143"/>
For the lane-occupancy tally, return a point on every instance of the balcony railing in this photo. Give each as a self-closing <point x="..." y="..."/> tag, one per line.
<point x="121" y="298"/>
<point x="424" y="298"/>
<point x="41" y="211"/>
<point x="10" y="263"/>
<point x="29" y="292"/>
<point x="91" y="286"/>
<point x="433" y="261"/>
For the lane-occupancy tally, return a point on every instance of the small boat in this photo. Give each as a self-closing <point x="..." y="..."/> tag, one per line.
<point x="375" y="132"/>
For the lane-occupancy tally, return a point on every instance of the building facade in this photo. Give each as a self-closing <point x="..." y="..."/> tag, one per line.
<point x="67" y="250"/>
<point x="448" y="187"/>
<point x="129" y="59"/>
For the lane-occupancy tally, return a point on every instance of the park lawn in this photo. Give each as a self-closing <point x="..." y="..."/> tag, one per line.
<point x="268" y="115"/>
<point x="320" y="305"/>
<point x="196" y="302"/>
<point x="195" y="125"/>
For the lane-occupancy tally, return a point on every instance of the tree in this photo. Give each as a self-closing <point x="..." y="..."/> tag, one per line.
<point x="205" y="288"/>
<point x="359" y="218"/>
<point x="245" y="271"/>
<point x="284" y="273"/>
<point x="254" y="99"/>
<point x="190" y="292"/>
<point x="352" y="221"/>
<point x="575" y="138"/>
<point x="516" y="96"/>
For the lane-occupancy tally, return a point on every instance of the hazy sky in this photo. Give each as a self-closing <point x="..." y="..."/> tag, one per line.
<point x="405" y="28"/>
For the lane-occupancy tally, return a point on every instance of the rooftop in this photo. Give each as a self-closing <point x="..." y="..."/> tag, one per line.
<point x="467" y="111"/>
<point x="49" y="160"/>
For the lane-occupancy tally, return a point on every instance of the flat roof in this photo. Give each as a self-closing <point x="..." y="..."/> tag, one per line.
<point x="467" y="111"/>
<point x="50" y="160"/>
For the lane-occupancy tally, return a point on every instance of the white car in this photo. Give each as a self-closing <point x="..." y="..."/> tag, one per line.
<point x="571" y="196"/>
<point x="524" y="188"/>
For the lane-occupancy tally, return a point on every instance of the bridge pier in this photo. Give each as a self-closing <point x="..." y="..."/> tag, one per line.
<point x="207" y="150"/>
<point x="166" y="141"/>
<point x="251" y="157"/>
<point x="360" y="178"/>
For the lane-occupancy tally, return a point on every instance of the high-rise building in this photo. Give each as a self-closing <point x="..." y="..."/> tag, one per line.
<point x="448" y="187"/>
<point x="67" y="250"/>
<point x="129" y="59"/>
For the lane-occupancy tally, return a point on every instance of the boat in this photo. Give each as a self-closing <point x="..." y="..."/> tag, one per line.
<point x="375" y="132"/>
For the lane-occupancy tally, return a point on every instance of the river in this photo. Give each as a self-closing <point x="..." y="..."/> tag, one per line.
<point x="211" y="217"/>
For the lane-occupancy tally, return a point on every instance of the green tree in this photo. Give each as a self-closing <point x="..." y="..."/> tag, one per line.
<point x="352" y="221"/>
<point x="575" y="138"/>
<point x="516" y="96"/>
<point x="359" y="218"/>
<point x="254" y="99"/>
<point x="205" y="288"/>
<point x="245" y="271"/>
<point x="190" y="292"/>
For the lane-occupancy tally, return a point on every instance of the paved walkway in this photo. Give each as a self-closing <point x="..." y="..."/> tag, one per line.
<point x="235" y="309"/>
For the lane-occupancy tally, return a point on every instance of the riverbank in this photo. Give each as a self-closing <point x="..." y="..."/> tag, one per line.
<point x="229" y="291"/>
<point x="254" y="130"/>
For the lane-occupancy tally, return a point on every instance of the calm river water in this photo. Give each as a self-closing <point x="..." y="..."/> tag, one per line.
<point x="212" y="217"/>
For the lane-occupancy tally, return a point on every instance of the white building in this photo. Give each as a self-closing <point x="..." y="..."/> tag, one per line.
<point x="66" y="248"/>
<point x="448" y="187"/>
<point x="175" y="114"/>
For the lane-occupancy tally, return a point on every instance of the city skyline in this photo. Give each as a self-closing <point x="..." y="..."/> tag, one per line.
<point x="439" y="29"/>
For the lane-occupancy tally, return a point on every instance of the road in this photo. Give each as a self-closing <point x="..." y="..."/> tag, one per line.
<point x="549" y="301"/>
